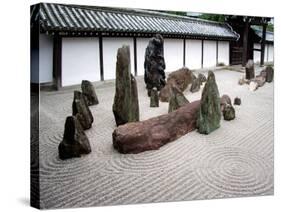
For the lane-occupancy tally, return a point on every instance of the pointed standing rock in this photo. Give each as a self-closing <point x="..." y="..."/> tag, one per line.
<point x="269" y="74"/>
<point x="195" y="85"/>
<point x="81" y="110"/>
<point x="75" y="142"/>
<point x="177" y="99"/>
<point x="209" y="115"/>
<point x="250" y="70"/>
<point x="89" y="92"/>
<point x="126" y="106"/>
<point x="154" y="99"/>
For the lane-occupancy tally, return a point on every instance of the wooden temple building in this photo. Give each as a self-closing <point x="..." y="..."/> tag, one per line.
<point x="252" y="40"/>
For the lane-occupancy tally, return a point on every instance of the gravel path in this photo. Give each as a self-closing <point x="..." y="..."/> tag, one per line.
<point x="235" y="160"/>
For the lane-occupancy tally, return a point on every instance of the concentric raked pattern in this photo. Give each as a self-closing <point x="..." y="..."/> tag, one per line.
<point x="235" y="160"/>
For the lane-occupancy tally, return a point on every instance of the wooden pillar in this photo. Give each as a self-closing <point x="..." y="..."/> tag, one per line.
<point x="202" y="53"/>
<point x="245" y="42"/>
<point x="135" y="57"/>
<point x="101" y="58"/>
<point x="217" y="53"/>
<point x="57" y="61"/>
<point x="184" y="46"/>
<point x="263" y="44"/>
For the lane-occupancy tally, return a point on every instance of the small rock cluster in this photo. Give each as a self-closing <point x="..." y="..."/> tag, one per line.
<point x="182" y="118"/>
<point x="75" y="142"/>
<point x="266" y="75"/>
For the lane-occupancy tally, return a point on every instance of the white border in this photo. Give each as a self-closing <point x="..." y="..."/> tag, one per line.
<point x="15" y="103"/>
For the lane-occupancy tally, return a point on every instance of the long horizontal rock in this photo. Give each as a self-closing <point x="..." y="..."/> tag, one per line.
<point x="151" y="134"/>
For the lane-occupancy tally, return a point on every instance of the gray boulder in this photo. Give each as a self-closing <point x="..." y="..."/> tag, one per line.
<point x="195" y="85"/>
<point x="228" y="113"/>
<point x="269" y="74"/>
<point x="209" y="115"/>
<point x="126" y="106"/>
<point x="237" y="101"/>
<point x="81" y="110"/>
<point x="89" y="92"/>
<point x="177" y="99"/>
<point x="250" y="70"/>
<point x="154" y="98"/>
<point x="225" y="100"/>
<point x="75" y="142"/>
<point x="202" y="78"/>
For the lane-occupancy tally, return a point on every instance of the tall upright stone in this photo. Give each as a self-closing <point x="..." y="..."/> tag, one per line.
<point x="126" y="106"/>
<point x="89" y="93"/>
<point x="195" y="86"/>
<point x="154" y="98"/>
<point x="250" y="70"/>
<point x="177" y="99"/>
<point x="269" y="73"/>
<point x="81" y="110"/>
<point x="75" y="142"/>
<point x="209" y="115"/>
<point x="154" y="64"/>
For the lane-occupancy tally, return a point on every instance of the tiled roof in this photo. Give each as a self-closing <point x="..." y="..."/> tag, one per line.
<point x="269" y="36"/>
<point x="75" y="18"/>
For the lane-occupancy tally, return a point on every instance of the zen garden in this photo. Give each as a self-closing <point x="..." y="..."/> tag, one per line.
<point x="166" y="135"/>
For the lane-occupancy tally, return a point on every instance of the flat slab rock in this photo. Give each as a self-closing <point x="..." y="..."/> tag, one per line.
<point x="153" y="133"/>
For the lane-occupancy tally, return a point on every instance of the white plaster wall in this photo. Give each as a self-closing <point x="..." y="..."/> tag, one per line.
<point x="173" y="54"/>
<point x="45" y="58"/>
<point x="193" y="51"/>
<point x="257" y="54"/>
<point x="110" y="47"/>
<point x="223" y="52"/>
<point x="141" y="46"/>
<point x="271" y="53"/>
<point x="209" y="54"/>
<point x="80" y="60"/>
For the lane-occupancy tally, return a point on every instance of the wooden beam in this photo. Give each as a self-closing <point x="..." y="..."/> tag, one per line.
<point x="263" y="44"/>
<point x="135" y="57"/>
<point x="101" y="58"/>
<point x="202" y="53"/>
<point x="57" y="61"/>
<point x="245" y="42"/>
<point x="184" y="47"/>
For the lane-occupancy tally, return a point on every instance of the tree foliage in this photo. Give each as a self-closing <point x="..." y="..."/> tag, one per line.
<point x="213" y="17"/>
